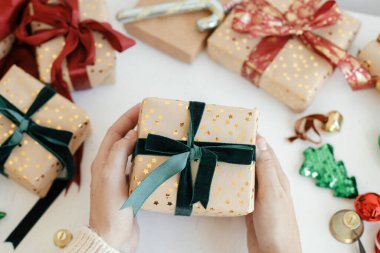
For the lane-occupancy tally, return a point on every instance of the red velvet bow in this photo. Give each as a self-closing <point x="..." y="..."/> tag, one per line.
<point x="10" y="15"/>
<point x="260" y="19"/>
<point x="79" y="48"/>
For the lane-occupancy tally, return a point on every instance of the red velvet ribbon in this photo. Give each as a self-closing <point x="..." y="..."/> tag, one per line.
<point x="21" y="55"/>
<point x="10" y="15"/>
<point x="79" y="48"/>
<point x="260" y="19"/>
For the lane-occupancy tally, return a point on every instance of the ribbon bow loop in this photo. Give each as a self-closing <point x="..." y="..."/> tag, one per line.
<point x="263" y="19"/>
<point x="164" y="145"/>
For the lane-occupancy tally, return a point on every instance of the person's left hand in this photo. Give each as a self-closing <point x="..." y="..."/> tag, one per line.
<point x="109" y="186"/>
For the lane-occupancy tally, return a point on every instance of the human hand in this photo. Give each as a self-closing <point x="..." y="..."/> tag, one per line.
<point x="272" y="227"/>
<point x="109" y="186"/>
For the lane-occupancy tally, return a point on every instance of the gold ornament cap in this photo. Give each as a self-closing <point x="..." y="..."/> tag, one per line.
<point x="62" y="238"/>
<point x="334" y="122"/>
<point x="377" y="82"/>
<point x="346" y="226"/>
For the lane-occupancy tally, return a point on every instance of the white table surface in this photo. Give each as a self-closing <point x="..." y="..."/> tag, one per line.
<point x="142" y="72"/>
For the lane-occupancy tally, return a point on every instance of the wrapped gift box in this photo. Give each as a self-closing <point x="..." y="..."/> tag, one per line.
<point x="175" y="35"/>
<point x="103" y="71"/>
<point x="6" y="45"/>
<point x="296" y="74"/>
<point x="370" y="58"/>
<point x="233" y="185"/>
<point x="30" y="164"/>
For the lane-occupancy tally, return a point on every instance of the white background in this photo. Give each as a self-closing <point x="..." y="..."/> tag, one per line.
<point x="366" y="6"/>
<point x="143" y="72"/>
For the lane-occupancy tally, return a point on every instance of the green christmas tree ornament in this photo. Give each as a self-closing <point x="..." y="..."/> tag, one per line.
<point x="2" y="215"/>
<point x="321" y="165"/>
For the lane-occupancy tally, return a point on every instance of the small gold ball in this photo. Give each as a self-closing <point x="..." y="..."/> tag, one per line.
<point x="62" y="238"/>
<point x="346" y="226"/>
<point x="377" y="83"/>
<point x="334" y="122"/>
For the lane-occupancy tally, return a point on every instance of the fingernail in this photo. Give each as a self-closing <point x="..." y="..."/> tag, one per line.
<point x="262" y="144"/>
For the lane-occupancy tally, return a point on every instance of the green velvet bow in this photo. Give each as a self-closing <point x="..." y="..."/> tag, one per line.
<point x="55" y="141"/>
<point x="207" y="153"/>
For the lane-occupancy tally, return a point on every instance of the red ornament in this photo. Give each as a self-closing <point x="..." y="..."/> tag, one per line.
<point x="368" y="206"/>
<point x="377" y="243"/>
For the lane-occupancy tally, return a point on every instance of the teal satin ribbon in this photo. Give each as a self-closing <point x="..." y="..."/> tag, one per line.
<point x="182" y="153"/>
<point x="55" y="141"/>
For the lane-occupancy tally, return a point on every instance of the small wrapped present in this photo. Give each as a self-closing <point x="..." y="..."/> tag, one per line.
<point x="175" y="35"/>
<point x="75" y="45"/>
<point x="39" y="130"/>
<point x="288" y="48"/>
<point x="181" y="142"/>
<point x="370" y="59"/>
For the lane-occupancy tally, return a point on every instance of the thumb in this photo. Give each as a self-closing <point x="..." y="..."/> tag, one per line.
<point x="120" y="150"/>
<point x="267" y="177"/>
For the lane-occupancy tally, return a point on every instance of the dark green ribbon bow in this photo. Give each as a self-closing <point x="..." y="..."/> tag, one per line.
<point x="55" y="141"/>
<point x="182" y="153"/>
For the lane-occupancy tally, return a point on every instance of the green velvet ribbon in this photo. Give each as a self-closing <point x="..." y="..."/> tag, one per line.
<point x="55" y="141"/>
<point x="182" y="153"/>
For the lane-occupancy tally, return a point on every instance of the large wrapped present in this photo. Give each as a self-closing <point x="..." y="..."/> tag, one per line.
<point x="39" y="130"/>
<point x="288" y="48"/>
<point x="194" y="158"/>
<point x="370" y="59"/>
<point x="175" y="35"/>
<point x="75" y="45"/>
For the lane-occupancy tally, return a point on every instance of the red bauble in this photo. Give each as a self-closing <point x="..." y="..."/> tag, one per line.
<point x="368" y="206"/>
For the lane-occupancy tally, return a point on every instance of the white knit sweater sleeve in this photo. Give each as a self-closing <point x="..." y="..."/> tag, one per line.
<point x="87" y="241"/>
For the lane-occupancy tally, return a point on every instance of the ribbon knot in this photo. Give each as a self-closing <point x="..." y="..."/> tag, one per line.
<point x="24" y="125"/>
<point x="79" y="49"/>
<point x="195" y="153"/>
<point x="259" y="18"/>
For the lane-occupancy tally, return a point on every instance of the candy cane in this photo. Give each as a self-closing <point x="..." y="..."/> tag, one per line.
<point x="165" y="9"/>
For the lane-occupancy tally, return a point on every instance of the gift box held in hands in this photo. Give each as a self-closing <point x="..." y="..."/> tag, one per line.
<point x="43" y="130"/>
<point x="212" y="154"/>
<point x="75" y="45"/>
<point x="288" y="48"/>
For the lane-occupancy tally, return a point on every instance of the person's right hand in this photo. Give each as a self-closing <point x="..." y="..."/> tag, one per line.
<point x="272" y="227"/>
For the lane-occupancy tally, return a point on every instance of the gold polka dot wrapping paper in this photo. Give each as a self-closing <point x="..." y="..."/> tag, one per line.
<point x="297" y="73"/>
<point x="103" y="71"/>
<point x="6" y="45"/>
<point x="233" y="185"/>
<point x="30" y="164"/>
<point x="370" y="58"/>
